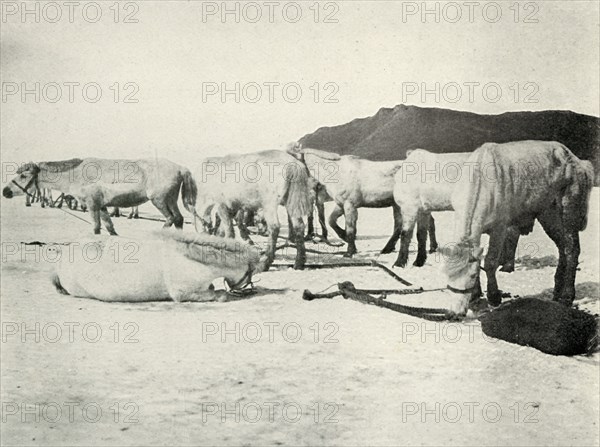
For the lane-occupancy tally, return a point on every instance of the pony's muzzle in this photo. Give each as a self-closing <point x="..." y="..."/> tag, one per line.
<point x="7" y="192"/>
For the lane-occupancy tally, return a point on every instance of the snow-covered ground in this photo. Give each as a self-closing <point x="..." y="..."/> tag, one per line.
<point x="274" y="369"/>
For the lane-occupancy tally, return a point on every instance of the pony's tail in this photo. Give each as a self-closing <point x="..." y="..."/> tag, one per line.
<point x="56" y="282"/>
<point x="583" y="182"/>
<point x="189" y="191"/>
<point x="297" y="197"/>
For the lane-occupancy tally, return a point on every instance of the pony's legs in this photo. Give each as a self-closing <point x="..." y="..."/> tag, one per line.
<point x="226" y="223"/>
<point x="563" y="231"/>
<point x="492" y="261"/>
<point x="297" y="233"/>
<point x="107" y="222"/>
<point x="159" y="203"/>
<point x="391" y="244"/>
<point x="291" y="232"/>
<point x="433" y="245"/>
<point x="333" y="217"/>
<point x="50" y="199"/>
<point x="216" y="229"/>
<point x="408" y="225"/>
<point x="310" y="233"/>
<point x="509" y="250"/>
<point x="116" y="212"/>
<point x="60" y="200"/>
<point x="171" y="203"/>
<point x="550" y="223"/>
<point x="351" y="215"/>
<point x="570" y="223"/>
<point x="422" y="227"/>
<point x="177" y="216"/>
<point x="240" y="218"/>
<point x="572" y="250"/>
<point x="95" y="212"/>
<point x="273" y="226"/>
<point x="321" y="213"/>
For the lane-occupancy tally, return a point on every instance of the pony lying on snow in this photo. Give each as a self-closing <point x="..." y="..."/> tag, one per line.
<point x="169" y="265"/>
<point x="513" y="184"/>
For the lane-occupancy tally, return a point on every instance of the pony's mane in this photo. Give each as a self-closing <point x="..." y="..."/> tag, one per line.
<point x="29" y="166"/>
<point x="214" y="250"/>
<point x="61" y="165"/>
<point x="458" y="258"/>
<point x="322" y="154"/>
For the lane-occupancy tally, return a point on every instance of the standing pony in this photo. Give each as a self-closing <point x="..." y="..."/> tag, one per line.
<point x="512" y="184"/>
<point x="424" y="184"/>
<point x="99" y="183"/>
<point x="249" y="182"/>
<point x="352" y="183"/>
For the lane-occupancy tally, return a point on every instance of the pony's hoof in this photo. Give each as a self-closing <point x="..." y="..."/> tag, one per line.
<point x="400" y="263"/>
<point x="343" y="236"/>
<point x="28" y="204"/>
<point x="419" y="262"/>
<point x="495" y="299"/>
<point x="113" y="233"/>
<point x="348" y="255"/>
<point x="508" y="268"/>
<point x="433" y="249"/>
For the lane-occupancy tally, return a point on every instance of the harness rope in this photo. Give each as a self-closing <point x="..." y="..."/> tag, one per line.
<point x="432" y="314"/>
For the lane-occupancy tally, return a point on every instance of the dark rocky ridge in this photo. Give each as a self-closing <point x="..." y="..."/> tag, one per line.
<point x="389" y="133"/>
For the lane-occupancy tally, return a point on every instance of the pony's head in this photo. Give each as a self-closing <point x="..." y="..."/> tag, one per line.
<point x="25" y="179"/>
<point x="295" y="150"/>
<point x="462" y="266"/>
<point x="294" y="147"/>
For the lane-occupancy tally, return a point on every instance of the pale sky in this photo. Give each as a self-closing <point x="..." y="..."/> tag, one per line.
<point x="369" y="57"/>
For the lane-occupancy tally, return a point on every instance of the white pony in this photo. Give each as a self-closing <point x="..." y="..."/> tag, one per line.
<point x="514" y="183"/>
<point x="170" y="265"/>
<point x="424" y="184"/>
<point x="251" y="182"/>
<point x="352" y="183"/>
